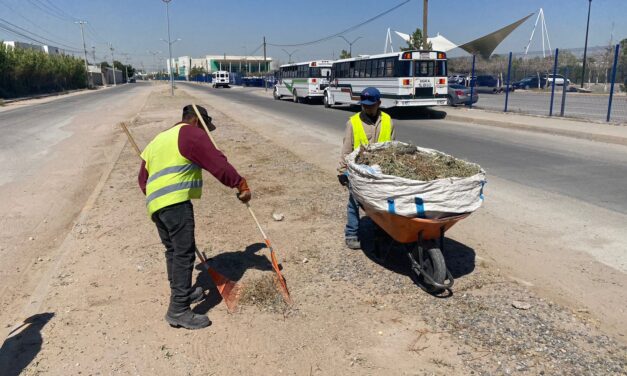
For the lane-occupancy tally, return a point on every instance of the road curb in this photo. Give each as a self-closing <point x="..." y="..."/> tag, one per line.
<point x="617" y="140"/>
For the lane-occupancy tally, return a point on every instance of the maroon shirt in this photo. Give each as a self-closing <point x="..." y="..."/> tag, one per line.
<point x="195" y="145"/>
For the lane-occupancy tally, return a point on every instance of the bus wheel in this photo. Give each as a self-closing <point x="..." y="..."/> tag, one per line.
<point x="325" y="99"/>
<point x="295" y="96"/>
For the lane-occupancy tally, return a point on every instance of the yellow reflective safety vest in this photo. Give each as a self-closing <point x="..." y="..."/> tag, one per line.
<point x="172" y="178"/>
<point x="359" y="134"/>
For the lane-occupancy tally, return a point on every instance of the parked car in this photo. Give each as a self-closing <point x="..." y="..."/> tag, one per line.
<point x="131" y="80"/>
<point x="457" y="79"/>
<point x="530" y="83"/>
<point x="559" y="80"/>
<point x="488" y="84"/>
<point x="458" y="94"/>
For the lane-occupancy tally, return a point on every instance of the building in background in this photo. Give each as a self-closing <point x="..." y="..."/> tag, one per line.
<point x="50" y="50"/>
<point x="244" y="65"/>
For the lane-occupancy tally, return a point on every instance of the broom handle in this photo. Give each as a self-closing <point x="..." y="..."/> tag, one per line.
<point x="202" y="121"/>
<point x="128" y="134"/>
<point x="250" y="210"/>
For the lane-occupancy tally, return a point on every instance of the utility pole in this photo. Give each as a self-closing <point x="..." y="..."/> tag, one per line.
<point x="167" y="10"/>
<point x="125" y="65"/>
<point x="113" y="62"/>
<point x="350" y="44"/>
<point x="93" y="53"/>
<point x="585" y="48"/>
<point x="265" y="82"/>
<point x="87" y="77"/>
<point x="425" y="10"/>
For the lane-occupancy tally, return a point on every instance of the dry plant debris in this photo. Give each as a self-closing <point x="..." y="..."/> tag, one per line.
<point x="406" y="161"/>
<point x="263" y="293"/>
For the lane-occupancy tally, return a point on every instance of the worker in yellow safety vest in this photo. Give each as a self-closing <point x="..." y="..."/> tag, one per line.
<point x="171" y="176"/>
<point x="371" y="125"/>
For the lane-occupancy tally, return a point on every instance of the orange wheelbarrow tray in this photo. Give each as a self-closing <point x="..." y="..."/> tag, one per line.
<point x="424" y="242"/>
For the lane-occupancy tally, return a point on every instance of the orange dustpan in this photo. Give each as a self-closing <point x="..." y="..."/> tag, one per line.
<point x="228" y="289"/>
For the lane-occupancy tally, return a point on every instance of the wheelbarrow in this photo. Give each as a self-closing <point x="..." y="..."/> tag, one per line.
<point x="423" y="241"/>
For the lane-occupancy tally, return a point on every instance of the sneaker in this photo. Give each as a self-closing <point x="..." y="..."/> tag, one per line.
<point x="187" y="319"/>
<point x="197" y="296"/>
<point x="353" y="243"/>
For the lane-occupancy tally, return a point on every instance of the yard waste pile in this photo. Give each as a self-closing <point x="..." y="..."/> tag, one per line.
<point x="411" y="181"/>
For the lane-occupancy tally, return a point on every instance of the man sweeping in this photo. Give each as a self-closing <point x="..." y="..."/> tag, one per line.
<point x="171" y="176"/>
<point x="369" y="125"/>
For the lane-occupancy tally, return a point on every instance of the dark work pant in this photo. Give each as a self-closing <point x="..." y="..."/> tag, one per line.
<point x="175" y="224"/>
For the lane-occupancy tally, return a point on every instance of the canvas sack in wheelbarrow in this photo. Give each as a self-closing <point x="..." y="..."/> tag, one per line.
<point x="432" y="199"/>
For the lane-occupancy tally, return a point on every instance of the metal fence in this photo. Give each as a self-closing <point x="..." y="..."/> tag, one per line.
<point x="549" y="85"/>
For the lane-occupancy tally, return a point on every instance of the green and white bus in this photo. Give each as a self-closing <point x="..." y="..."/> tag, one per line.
<point x="405" y="79"/>
<point x="303" y="81"/>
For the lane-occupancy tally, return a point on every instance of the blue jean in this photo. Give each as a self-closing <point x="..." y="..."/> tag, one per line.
<point x="352" y="218"/>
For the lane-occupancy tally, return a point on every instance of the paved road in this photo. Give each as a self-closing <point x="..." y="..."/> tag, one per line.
<point x="592" y="172"/>
<point x="589" y="107"/>
<point x="29" y="132"/>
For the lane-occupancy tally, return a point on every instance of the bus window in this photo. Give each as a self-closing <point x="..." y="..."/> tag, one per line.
<point x="389" y="66"/>
<point x="326" y="72"/>
<point x="381" y="68"/>
<point x="351" y="70"/>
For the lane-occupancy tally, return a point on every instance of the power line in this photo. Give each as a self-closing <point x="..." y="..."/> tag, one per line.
<point x="22" y="30"/>
<point x="59" y="10"/>
<point x="343" y="31"/>
<point x="33" y="23"/>
<point x="50" y="11"/>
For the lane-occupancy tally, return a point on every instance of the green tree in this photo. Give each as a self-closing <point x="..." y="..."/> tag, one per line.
<point x="415" y="42"/>
<point x="196" y="71"/>
<point x="345" y="55"/>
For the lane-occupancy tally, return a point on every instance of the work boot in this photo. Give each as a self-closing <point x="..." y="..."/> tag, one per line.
<point x="353" y="242"/>
<point x="187" y="319"/>
<point x="196" y="296"/>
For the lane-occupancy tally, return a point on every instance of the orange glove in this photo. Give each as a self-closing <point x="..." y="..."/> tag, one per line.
<point x="243" y="194"/>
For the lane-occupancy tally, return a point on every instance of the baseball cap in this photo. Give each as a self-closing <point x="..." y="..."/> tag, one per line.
<point x="369" y="96"/>
<point x="189" y="110"/>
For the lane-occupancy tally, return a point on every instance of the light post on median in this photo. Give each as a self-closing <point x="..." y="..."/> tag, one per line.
<point x="585" y="48"/>
<point x="350" y="44"/>
<point x="289" y="55"/>
<point x="170" y="62"/>
<point x="167" y="11"/>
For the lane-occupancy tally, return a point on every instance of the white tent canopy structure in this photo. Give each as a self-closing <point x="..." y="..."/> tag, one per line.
<point x="483" y="46"/>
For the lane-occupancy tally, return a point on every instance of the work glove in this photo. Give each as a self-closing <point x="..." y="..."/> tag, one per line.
<point x="343" y="178"/>
<point x="243" y="193"/>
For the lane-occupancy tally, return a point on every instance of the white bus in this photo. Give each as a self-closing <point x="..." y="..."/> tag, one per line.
<point x="303" y="81"/>
<point x="220" y="79"/>
<point x="408" y="78"/>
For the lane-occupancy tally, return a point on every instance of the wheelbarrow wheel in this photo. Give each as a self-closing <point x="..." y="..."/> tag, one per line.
<point x="435" y="266"/>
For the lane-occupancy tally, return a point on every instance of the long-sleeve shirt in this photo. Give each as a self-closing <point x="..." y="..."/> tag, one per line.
<point x="372" y="130"/>
<point x="195" y="145"/>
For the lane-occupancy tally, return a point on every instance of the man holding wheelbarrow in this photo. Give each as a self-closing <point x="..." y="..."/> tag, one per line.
<point x="171" y="176"/>
<point x="369" y="125"/>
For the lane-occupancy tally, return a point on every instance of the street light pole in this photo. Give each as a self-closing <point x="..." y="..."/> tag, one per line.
<point x="585" y="48"/>
<point x="289" y="55"/>
<point x="167" y="11"/>
<point x="425" y="10"/>
<point x="350" y="44"/>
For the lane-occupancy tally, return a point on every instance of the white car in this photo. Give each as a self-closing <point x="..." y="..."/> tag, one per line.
<point x="559" y="80"/>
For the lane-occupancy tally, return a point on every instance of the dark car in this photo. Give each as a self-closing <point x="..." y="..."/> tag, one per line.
<point x="530" y="83"/>
<point x="131" y="80"/>
<point x="458" y="94"/>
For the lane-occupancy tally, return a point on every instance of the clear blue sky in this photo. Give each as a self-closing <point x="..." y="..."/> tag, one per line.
<point x="237" y="26"/>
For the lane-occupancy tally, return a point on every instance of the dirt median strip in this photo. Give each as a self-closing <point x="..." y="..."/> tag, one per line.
<point x="352" y="315"/>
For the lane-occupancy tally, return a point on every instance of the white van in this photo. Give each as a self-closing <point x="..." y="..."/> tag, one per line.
<point x="220" y="79"/>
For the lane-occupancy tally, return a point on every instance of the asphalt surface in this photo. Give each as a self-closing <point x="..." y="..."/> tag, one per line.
<point x="592" y="172"/>
<point x="581" y="106"/>
<point x="27" y="133"/>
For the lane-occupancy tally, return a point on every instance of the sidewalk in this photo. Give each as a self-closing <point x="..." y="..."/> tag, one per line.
<point x="609" y="133"/>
